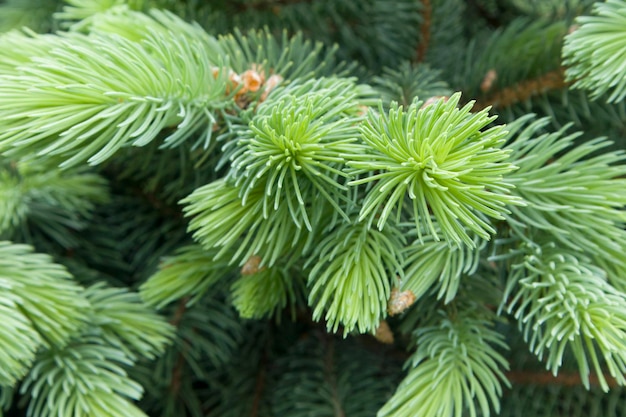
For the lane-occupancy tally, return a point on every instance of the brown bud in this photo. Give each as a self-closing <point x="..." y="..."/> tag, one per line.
<point x="271" y="83"/>
<point x="252" y="81"/>
<point x="490" y="77"/>
<point x="251" y="266"/>
<point x="383" y="333"/>
<point x="399" y="301"/>
<point x="433" y="100"/>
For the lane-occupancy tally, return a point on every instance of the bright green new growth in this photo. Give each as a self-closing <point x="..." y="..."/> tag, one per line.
<point x="595" y="51"/>
<point x="307" y="193"/>
<point x="573" y="193"/>
<point x="440" y="159"/>
<point x="263" y="293"/>
<point x="188" y="274"/>
<point x="221" y="221"/>
<point x="456" y="368"/>
<point x="48" y="297"/>
<point x="126" y="323"/>
<point x="563" y="302"/>
<point x="19" y="339"/>
<point x="84" y="379"/>
<point x="48" y="200"/>
<point x="300" y="137"/>
<point x="96" y="94"/>
<point x="353" y="271"/>
<point x="429" y="261"/>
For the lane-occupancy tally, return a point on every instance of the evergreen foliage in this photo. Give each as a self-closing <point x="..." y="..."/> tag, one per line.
<point x="264" y="208"/>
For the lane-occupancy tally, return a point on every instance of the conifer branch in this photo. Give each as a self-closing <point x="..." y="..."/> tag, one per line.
<point x="367" y="195"/>
<point x="594" y="52"/>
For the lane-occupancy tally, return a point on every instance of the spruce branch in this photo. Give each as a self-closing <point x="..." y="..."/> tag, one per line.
<point x="89" y="78"/>
<point x="266" y="292"/>
<point x="595" y="51"/>
<point x="79" y="14"/>
<point x="576" y="194"/>
<point x="20" y="46"/>
<point x="49" y="202"/>
<point x="489" y="73"/>
<point x="288" y="56"/>
<point x="351" y="276"/>
<point x="188" y="274"/>
<point x="408" y="81"/>
<point x="18" y="339"/>
<point x="439" y="158"/>
<point x="45" y="292"/>
<point x="302" y="134"/>
<point x="456" y="368"/>
<point x="431" y="263"/>
<point x="327" y="376"/>
<point x="221" y="220"/>
<point x="127" y="324"/>
<point x="562" y="301"/>
<point x="33" y="14"/>
<point x="85" y="378"/>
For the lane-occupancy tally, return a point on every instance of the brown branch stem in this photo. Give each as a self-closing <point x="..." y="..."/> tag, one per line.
<point x="177" y="372"/>
<point x="563" y="379"/>
<point x="422" y="47"/>
<point x="274" y="5"/>
<point x="553" y="80"/>
<point x="259" y="386"/>
<point x="329" y="365"/>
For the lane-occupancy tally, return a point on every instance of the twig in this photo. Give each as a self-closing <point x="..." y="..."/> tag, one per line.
<point x="268" y="4"/>
<point x="180" y="311"/>
<point x="427" y="12"/>
<point x="259" y="386"/>
<point x="562" y="379"/>
<point x="553" y="80"/>
<point x="177" y="373"/>
<point x="329" y="370"/>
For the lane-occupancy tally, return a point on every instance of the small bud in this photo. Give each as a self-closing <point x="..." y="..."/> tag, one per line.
<point x="488" y="81"/>
<point x="433" y="100"/>
<point x="234" y="78"/>
<point x="271" y="83"/>
<point x="363" y="110"/>
<point x="252" y="80"/>
<point x="383" y="333"/>
<point x="399" y="301"/>
<point x="251" y="266"/>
